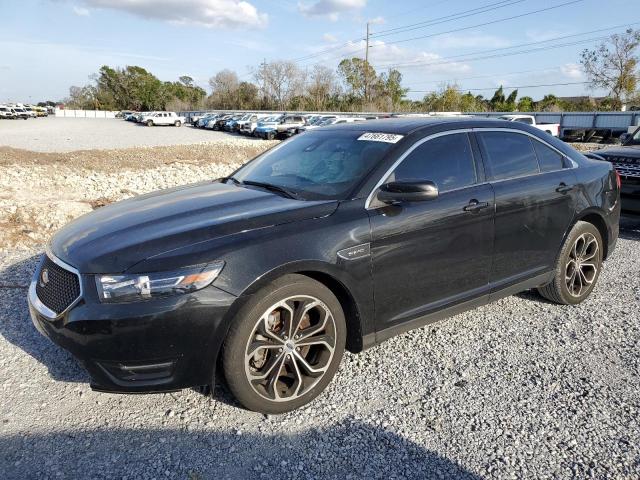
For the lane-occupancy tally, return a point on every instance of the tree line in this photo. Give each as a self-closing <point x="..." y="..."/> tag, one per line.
<point x="354" y="85"/>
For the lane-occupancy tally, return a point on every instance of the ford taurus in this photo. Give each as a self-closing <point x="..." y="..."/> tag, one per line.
<point x="336" y="239"/>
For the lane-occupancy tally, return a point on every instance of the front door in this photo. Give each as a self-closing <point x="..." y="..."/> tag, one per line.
<point x="431" y="254"/>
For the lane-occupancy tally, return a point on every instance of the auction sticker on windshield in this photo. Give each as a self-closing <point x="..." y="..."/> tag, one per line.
<point x="380" y="137"/>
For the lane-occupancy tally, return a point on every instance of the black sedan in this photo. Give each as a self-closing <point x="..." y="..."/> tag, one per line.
<point x="338" y="238"/>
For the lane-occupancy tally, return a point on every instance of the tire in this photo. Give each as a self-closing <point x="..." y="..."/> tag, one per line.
<point x="578" y="266"/>
<point x="271" y="136"/>
<point x="178" y="123"/>
<point x="149" y="123"/>
<point x="305" y="365"/>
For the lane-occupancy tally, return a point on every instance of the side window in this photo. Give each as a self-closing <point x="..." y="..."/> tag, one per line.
<point x="548" y="159"/>
<point x="509" y="155"/>
<point x="445" y="160"/>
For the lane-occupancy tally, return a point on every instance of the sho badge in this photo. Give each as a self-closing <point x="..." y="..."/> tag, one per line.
<point x="352" y="253"/>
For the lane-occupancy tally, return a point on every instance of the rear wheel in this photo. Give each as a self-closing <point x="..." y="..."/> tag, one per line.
<point x="286" y="345"/>
<point x="578" y="266"/>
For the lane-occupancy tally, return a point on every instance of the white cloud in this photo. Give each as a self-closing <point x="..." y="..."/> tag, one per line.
<point x="329" y="38"/>
<point x="377" y="20"/>
<point x="81" y="11"/>
<point x="572" y="70"/>
<point x="205" y="13"/>
<point x="330" y="8"/>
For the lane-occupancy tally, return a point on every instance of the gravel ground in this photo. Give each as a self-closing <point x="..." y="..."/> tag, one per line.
<point x="518" y="389"/>
<point x="52" y="134"/>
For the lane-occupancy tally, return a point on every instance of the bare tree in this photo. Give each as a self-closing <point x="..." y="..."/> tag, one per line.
<point x="612" y="65"/>
<point x="281" y="81"/>
<point x="224" y="86"/>
<point x="322" y="85"/>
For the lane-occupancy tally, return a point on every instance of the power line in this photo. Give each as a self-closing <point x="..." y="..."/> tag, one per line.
<point x="447" y="18"/>
<point x="500" y="55"/>
<point x="461" y="58"/>
<point x="382" y="33"/>
<point x="492" y="22"/>
<point x="562" y="37"/>
<point x="508" y="74"/>
<point x="516" y="87"/>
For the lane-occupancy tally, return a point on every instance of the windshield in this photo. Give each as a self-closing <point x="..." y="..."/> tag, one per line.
<point x="317" y="165"/>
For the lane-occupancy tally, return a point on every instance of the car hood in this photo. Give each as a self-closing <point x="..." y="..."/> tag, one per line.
<point x="631" y="151"/>
<point x="112" y="239"/>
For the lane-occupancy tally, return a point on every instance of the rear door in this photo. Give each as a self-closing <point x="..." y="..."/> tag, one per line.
<point x="432" y="254"/>
<point x="533" y="185"/>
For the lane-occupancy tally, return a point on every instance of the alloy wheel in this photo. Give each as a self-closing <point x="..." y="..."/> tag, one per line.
<point x="582" y="266"/>
<point x="290" y="348"/>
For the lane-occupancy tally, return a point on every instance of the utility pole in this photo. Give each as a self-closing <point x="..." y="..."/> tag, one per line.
<point x="366" y="67"/>
<point x="263" y="67"/>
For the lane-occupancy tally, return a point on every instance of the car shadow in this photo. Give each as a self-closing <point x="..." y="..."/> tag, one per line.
<point x="630" y="227"/>
<point x="17" y="329"/>
<point x="349" y="449"/>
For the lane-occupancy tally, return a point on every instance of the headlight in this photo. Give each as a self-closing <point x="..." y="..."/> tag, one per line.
<point x="136" y="287"/>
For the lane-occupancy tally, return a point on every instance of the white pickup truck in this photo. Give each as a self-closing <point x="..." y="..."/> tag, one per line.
<point x="550" y="128"/>
<point x="162" y="118"/>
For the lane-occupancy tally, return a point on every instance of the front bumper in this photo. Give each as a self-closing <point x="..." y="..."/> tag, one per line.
<point x="150" y="346"/>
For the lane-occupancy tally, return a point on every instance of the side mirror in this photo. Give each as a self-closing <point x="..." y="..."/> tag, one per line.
<point x="394" y="192"/>
<point x="625" y="137"/>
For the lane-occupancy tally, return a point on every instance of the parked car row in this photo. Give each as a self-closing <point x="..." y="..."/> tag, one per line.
<point x="18" y="111"/>
<point x="268" y="126"/>
<point x="153" y="119"/>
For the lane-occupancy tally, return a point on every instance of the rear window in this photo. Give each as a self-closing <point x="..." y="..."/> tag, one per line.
<point x="509" y="155"/>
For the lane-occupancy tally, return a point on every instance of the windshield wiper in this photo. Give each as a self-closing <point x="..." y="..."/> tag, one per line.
<point x="274" y="188"/>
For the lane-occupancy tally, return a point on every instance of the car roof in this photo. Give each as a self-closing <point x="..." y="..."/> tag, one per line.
<point x="407" y="125"/>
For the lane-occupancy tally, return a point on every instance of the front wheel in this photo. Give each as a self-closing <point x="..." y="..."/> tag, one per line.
<point x="285" y="346"/>
<point x="178" y="123"/>
<point x="578" y="266"/>
<point x="149" y="123"/>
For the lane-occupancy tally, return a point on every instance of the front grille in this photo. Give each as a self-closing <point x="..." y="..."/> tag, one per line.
<point x="625" y="166"/>
<point x="627" y="169"/>
<point x="57" y="288"/>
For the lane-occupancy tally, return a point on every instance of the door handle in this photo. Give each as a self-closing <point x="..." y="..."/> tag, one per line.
<point x="564" y="188"/>
<point x="475" y="206"/>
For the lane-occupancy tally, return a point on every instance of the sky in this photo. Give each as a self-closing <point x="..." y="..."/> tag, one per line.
<point x="46" y="46"/>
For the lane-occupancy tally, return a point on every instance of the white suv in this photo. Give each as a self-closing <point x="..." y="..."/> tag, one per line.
<point x="163" y="118"/>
